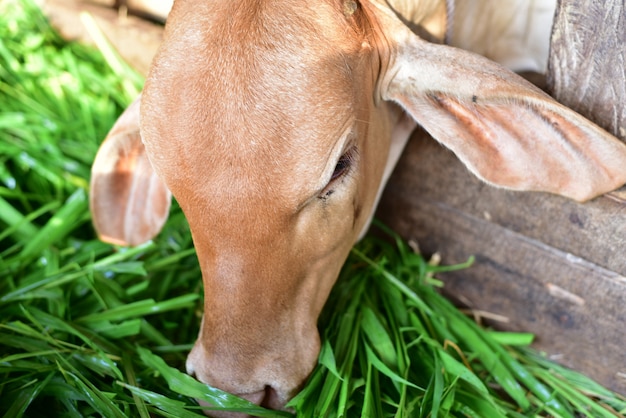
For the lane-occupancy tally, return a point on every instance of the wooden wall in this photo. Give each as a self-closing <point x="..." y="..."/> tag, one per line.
<point x="134" y="38"/>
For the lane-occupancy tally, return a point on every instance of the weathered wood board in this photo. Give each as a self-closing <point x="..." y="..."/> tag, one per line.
<point x="136" y="40"/>
<point x="587" y="66"/>
<point x="551" y="266"/>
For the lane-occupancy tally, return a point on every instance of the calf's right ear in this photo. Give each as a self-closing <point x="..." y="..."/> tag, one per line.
<point x="129" y="202"/>
<point x="506" y="131"/>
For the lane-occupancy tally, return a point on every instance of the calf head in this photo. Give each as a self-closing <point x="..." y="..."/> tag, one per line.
<point x="275" y="125"/>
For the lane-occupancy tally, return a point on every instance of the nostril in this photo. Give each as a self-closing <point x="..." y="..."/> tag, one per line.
<point x="267" y="398"/>
<point x="254" y="397"/>
<point x="271" y="399"/>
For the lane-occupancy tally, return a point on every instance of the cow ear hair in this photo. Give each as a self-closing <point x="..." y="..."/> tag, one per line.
<point x="129" y="202"/>
<point x="505" y="130"/>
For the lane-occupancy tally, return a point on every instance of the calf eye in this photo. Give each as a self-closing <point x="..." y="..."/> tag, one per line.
<point x="343" y="165"/>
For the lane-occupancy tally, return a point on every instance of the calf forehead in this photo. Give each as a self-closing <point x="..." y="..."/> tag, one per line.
<point x="245" y="91"/>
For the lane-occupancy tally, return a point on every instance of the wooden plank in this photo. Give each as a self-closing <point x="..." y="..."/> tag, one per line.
<point x="553" y="267"/>
<point x="136" y="40"/>
<point x="587" y="66"/>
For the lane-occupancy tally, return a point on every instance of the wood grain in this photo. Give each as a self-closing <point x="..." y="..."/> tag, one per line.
<point x="135" y="39"/>
<point x="587" y="65"/>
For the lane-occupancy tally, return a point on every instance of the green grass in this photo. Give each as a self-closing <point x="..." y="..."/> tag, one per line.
<point x="87" y="329"/>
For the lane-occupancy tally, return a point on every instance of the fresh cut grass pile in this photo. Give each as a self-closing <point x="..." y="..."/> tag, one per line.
<point x="88" y="329"/>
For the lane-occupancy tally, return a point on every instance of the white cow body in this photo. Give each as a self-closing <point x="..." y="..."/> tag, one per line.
<point x="514" y="33"/>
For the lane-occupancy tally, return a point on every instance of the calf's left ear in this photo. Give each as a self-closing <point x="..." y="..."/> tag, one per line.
<point x="129" y="202"/>
<point x="505" y="130"/>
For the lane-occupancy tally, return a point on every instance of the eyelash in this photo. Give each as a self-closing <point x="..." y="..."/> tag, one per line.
<point x="343" y="165"/>
<point x="341" y="169"/>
